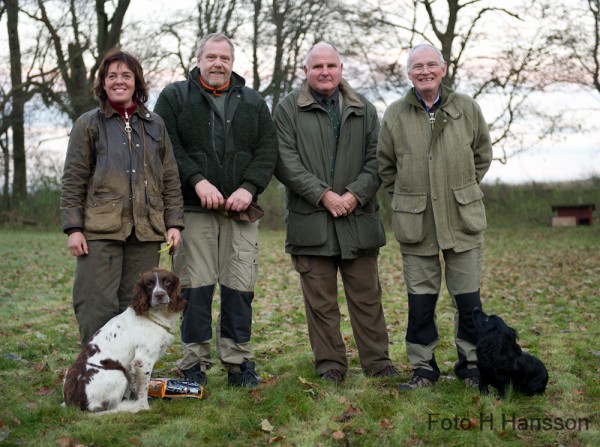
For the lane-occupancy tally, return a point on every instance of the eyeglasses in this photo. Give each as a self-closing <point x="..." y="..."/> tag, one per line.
<point x="420" y="68"/>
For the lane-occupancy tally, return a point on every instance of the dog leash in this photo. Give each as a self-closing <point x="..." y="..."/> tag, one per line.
<point x="167" y="248"/>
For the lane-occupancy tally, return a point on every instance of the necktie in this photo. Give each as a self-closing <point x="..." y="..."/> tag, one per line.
<point x="335" y="118"/>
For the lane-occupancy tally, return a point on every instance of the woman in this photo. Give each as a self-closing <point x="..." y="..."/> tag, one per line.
<point x="120" y="196"/>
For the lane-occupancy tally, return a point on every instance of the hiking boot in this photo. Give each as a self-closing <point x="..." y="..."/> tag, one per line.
<point x="387" y="372"/>
<point x="333" y="375"/>
<point x="195" y="374"/>
<point x="471" y="382"/>
<point x="416" y="382"/>
<point x="246" y="377"/>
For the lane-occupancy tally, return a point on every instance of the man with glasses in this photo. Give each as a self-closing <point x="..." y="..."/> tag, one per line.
<point x="434" y="149"/>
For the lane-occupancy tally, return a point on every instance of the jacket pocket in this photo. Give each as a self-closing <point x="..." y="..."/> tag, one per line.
<point x="156" y="214"/>
<point x="103" y="213"/>
<point x="306" y="224"/>
<point x="469" y="200"/>
<point x="409" y="213"/>
<point x="369" y="229"/>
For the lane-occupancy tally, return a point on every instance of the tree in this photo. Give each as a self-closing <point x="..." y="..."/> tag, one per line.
<point x="15" y="119"/>
<point x="178" y="36"/>
<point x="282" y="30"/>
<point x="505" y="73"/>
<point x="75" y="49"/>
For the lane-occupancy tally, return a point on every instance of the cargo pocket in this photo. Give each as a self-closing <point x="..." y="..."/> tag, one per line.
<point x="103" y="213"/>
<point x="409" y="212"/>
<point x="369" y="229"/>
<point x="243" y="273"/>
<point x="306" y="224"/>
<point x="469" y="200"/>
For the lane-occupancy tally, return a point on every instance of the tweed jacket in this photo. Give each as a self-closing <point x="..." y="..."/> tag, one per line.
<point x="110" y="186"/>
<point x="432" y="170"/>
<point x="250" y="138"/>
<point x="309" y="165"/>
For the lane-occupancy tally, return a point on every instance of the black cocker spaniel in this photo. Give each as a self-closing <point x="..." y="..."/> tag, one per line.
<point x="501" y="361"/>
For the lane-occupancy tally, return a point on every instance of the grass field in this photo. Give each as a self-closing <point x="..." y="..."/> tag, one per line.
<point x="544" y="281"/>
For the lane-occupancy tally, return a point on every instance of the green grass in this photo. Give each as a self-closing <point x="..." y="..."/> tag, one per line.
<point x="544" y="281"/>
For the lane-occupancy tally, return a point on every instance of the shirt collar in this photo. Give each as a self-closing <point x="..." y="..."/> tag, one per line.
<point x="436" y="103"/>
<point x="335" y="96"/>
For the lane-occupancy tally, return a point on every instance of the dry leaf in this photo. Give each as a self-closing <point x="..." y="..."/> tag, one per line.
<point x="350" y="412"/>
<point x="45" y="391"/>
<point x="266" y="426"/>
<point x="338" y="435"/>
<point x="385" y="423"/>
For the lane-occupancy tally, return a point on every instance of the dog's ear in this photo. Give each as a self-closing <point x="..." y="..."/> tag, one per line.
<point x="512" y="337"/>
<point x="177" y="303"/>
<point x="140" y="301"/>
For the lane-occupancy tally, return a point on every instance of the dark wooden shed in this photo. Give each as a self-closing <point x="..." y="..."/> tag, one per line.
<point x="570" y="215"/>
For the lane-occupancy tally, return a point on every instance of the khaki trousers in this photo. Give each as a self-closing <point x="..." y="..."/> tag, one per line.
<point x="423" y="277"/>
<point x="318" y="276"/>
<point x="217" y="250"/>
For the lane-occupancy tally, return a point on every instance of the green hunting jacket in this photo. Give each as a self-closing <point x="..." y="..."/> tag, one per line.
<point x="250" y="138"/>
<point x="433" y="171"/>
<point x="309" y="165"/>
<point x="110" y="186"/>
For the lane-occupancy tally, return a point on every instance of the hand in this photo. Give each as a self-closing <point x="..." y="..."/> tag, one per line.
<point x="174" y="236"/>
<point x="350" y="202"/>
<point x="239" y="200"/>
<point x="334" y="204"/>
<point x="209" y="195"/>
<point x="77" y="244"/>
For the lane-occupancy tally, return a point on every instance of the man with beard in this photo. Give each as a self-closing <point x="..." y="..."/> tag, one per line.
<point x="226" y="149"/>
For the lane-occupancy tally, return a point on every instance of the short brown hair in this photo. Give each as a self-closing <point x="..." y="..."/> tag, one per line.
<point x="116" y="55"/>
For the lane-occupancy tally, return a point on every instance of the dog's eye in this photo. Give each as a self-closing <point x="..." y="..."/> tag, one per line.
<point x="167" y="282"/>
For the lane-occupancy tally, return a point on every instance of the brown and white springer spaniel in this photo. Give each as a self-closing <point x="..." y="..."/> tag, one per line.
<point x="113" y="370"/>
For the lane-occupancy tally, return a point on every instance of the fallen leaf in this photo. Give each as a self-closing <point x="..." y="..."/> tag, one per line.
<point x="350" y="412"/>
<point x="64" y="441"/>
<point x="338" y="435"/>
<point x="303" y="381"/>
<point x="275" y="439"/>
<point x="266" y="426"/>
<point x="255" y="395"/>
<point x="39" y="367"/>
<point x="343" y="400"/>
<point x="45" y="391"/>
<point x="385" y="423"/>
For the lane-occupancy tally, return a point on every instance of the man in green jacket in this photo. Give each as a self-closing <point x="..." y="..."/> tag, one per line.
<point x="327" y="161"/>
<point x="434" y="149"/>
<point x="226" y="149"/>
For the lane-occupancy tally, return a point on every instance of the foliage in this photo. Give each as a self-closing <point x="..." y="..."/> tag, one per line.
<point x="544" y="281"/>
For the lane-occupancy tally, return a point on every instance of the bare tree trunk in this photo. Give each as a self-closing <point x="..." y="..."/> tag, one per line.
<point x="19" y="98"/>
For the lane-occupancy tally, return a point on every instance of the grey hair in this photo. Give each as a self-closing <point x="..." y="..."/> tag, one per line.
<point x="214" y="36"/>
<point x="309" y="52"/>
<point x="418" y="47"/>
